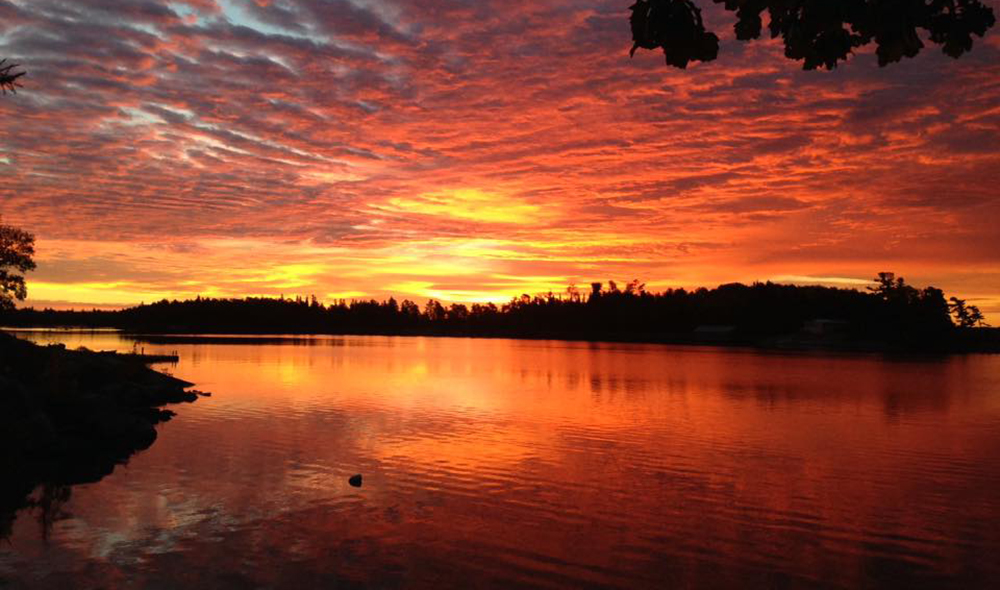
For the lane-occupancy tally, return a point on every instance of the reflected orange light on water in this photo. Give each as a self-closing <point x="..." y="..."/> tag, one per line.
<point x="600" y="463"/>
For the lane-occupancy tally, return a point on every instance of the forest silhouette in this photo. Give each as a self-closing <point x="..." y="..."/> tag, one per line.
<point x="890" y="314"/>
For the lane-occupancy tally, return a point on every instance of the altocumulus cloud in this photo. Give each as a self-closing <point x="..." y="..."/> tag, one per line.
<point x="475" y="149"/>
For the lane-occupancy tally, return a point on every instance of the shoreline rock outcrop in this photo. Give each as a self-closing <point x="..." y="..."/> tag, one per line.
<point x="71" y="416"/>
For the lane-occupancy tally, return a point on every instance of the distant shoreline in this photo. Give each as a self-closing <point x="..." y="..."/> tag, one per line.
<point x="889" y="317"/>
<point x="978" y="340"/>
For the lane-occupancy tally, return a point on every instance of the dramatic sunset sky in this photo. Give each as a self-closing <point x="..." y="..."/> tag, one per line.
<point x="472" y="150"/>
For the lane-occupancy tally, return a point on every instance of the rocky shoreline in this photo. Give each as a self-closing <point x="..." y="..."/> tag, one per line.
<point x="71" y="416"/>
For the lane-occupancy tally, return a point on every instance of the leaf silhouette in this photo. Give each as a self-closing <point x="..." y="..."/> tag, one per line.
<point x="820" y="33"/>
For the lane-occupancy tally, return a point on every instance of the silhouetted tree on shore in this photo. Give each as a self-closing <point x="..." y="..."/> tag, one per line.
<point x="17" y="247"/>
<point x="911" y="312"/>
<point x="821" y="33"/>
<point x="966" y="316"/>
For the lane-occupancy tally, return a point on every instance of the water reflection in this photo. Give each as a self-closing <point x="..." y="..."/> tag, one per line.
<point x="494" y="462"/>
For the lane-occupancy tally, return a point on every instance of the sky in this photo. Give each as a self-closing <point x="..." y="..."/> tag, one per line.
<point x="476" y="150"/>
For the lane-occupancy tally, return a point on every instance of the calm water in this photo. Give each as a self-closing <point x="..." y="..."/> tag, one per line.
<point x="494" y="463"/>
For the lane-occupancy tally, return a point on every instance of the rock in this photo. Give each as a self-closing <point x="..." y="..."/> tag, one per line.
<point x="355" y="480"/>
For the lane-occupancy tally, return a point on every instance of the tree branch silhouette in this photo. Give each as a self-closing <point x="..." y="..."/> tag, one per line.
<point x="820" y="33"/>
<point x="8" y="77"/>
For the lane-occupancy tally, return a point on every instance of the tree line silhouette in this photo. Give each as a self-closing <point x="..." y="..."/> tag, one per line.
<point x="891" y="312"/>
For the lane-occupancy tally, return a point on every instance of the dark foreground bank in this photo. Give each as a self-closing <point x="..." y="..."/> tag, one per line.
<point x="70" y="416"/>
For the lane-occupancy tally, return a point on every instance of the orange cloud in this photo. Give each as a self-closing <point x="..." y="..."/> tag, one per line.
<point x="469" y="205"/>
<point x="476" y="152"/>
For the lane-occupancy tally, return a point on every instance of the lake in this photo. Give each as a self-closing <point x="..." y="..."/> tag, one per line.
<point x="499" y="463"/>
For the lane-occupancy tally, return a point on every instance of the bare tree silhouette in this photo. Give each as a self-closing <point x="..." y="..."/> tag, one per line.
<point x="818" y="32"/>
